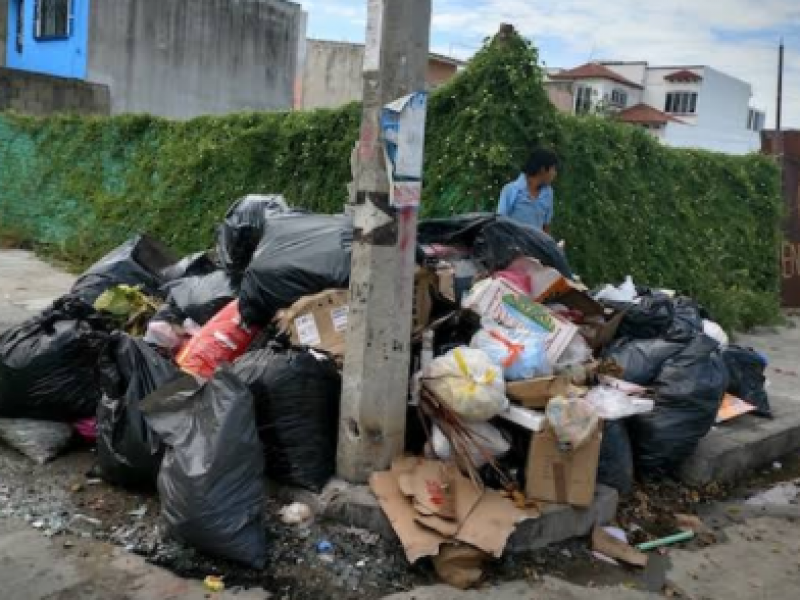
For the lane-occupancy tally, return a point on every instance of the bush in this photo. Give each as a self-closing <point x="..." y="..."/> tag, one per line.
<point x="705" y="224"/>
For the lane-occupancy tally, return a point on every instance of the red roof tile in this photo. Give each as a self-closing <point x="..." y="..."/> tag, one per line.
<point x="594" y="71"/>
<point x="683" y="75"/>
<point x="645" y="114"/>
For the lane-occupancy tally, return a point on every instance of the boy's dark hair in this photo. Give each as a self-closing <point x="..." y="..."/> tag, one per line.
<point x="540" y="160"/>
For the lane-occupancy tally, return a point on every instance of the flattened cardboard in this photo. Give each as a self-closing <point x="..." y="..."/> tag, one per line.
<point x="491" y="523"/>
<point x="536" y="393"/>
<point x="443" y="526"/>
<point x="418" y="541"/>
<point x="434" y="489"/>
<point x="732" y="408"/>
<point x="562" y="477"/>
<point x="607" y="544"/>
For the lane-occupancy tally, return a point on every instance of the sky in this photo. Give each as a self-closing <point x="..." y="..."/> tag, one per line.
<point x="738" y="37"/>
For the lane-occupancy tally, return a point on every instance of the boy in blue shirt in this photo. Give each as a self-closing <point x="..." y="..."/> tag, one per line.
<point x="529" y="199"/>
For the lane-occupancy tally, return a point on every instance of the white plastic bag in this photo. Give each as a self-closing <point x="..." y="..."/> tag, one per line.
<point x="521" y="353"/>
<point x="487" y="438"/>
<point x="613" y="404"/>
<point x="41" y="441"/>
<point x="577" y="353"/>
<point x="573" y="421"/>
<point x="468" y="382"/>
<point x="624" y="293"/>
<point x="714" y="331"/>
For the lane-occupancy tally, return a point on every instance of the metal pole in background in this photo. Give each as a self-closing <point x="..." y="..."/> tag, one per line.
<point x="377" y="361"/>
<point x="779" y="109"/>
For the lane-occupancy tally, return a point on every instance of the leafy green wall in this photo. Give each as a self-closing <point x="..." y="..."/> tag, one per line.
<point x="703" y="223"/>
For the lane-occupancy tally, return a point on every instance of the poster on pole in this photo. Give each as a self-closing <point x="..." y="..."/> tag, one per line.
<point x="403" y="129"/>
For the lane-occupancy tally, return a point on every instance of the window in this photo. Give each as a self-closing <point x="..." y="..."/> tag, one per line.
<point x="619" y="98"/>
<point x="756" y="120"/>
<point x="20" y="25"/>
<point x="53" y="19"/>
<point x="681" y="103"/>
<point x="583" y="100"/>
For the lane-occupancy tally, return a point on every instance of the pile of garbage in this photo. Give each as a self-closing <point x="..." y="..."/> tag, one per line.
<point x="203" y="376"/>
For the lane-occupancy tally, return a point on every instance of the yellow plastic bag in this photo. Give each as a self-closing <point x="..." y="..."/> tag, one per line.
<point x="468" y="382"/>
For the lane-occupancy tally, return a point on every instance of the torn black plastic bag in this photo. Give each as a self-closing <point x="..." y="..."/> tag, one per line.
<point x="641" y="360"/>
<point x="297" y="410"/>
<point x="615" y="466"/>
<point x="194" y="265"/>
<point x="501" y="242"/>
<point x="458" y="230"/>
<point x="651" y="318"/>
<point x="48" y="363"/>
<point x="198" y="298"/>
<point x="746" y="369"/>
<point x="243" y="229"/>
<point x="687" y="320"/>
<point x="301" y="255"/>
<point x="690" y="389"/>
<point x="138" y="262"/>
<point x="128" y="451"/>
<point x="211" y="482"/>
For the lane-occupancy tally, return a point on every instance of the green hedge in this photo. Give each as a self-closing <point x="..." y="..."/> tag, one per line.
<point x="703" y="223"/>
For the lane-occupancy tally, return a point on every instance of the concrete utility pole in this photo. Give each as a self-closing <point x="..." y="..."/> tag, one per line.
<point x="377" y="362"/>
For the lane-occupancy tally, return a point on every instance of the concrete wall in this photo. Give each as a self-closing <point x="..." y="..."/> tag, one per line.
<point x="3" y="31"/>
<point x="62" y="57"/>
<point x="183" y="58"/>
<point x="561" y="96"/>
<point x="332" y="74"/>
<point x="37" y="94"/>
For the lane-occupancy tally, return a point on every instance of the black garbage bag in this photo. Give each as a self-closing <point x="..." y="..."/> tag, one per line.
<point x="501" y="242"/>
<point x="211" y="482"/>
<point x="243" y="229"/>
<point x="198" y="298"/>
<point x="615" y="466"/>
<point x="651" y="318"/>
<point x="458" y="230"/>
<point x="41" y="441"/>
<point x="687" y="320"/>
<point x="129" y="452"/>
<point x="193" y="265"/>
<point x="746" y="369"/>
<point x="47" y="364"/>
<point x="138" y="262"/>
<point x="641" y="360"/>
<point x="297" y="410"/>
<point x="690" y="389"/>
<point x="300" y="255"/>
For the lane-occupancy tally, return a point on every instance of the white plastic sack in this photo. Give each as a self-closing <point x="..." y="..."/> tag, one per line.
<point x="490" y="438"/>
<point x="573" y="421"/>
<point x="41" y="441"/>
<point x="715" y="332"/>
<point x="624" y="293"/>
<point x="468" y="382"/>
<point x="613" y="404"/>
<point x="577" y="353"/>
<point x="521" y="353"/>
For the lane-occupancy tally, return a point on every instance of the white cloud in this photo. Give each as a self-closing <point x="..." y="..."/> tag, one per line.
<point x="730" y="35"/>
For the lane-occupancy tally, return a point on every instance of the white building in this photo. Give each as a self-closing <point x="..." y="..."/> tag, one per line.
<point x="684" y="106"/>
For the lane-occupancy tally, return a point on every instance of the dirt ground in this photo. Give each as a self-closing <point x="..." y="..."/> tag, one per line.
<point x="63" y="501"/>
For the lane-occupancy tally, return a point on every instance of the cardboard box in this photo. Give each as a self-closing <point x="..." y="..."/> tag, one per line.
<point x="426" y="282"/>
<point x="319" y="321"/>
<point x="536" y="393"/>
<point x="600" y="335"/>
<point x="562" y="477"/>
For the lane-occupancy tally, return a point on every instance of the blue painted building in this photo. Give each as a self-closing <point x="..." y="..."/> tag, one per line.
<point x="49" y="37"/>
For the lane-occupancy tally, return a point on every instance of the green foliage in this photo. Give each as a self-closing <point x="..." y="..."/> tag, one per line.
<point x="702" y="223"/>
